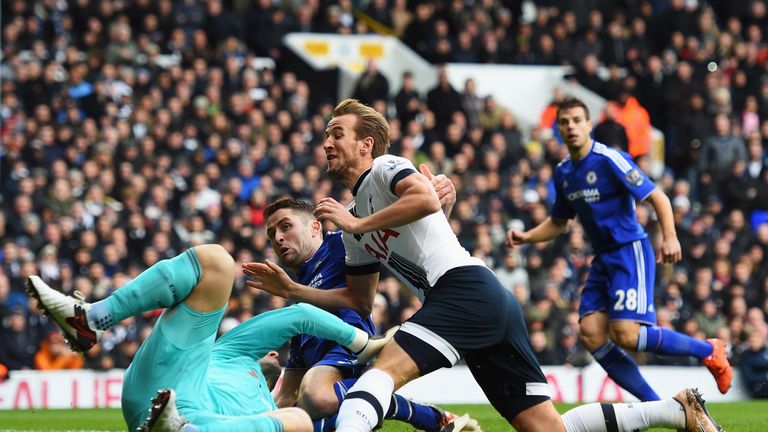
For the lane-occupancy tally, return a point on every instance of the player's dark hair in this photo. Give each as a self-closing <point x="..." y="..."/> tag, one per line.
<point x="271" y="373"/>
<point x="304" y="207"/>
<point x="572" y="102"/>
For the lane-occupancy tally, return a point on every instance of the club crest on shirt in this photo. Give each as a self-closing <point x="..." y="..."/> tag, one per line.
<point x="634" y="177"/>
<point x="591" y="177"/>
<point x="392" y="164"/>
<point x="565" y="184"/>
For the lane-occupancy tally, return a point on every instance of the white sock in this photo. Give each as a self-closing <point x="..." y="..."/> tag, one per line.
<point x="629" y="417"/>
<point x="667" y="413"/>
<point x="358" y="411"/>
<point x="585" y="418"/>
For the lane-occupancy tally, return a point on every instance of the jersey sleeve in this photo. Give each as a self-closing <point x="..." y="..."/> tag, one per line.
<point x="561" y="209"/>
<point x="388" y="170"/>
<point x="358" y="261"/>
<point x="627" y="173"/>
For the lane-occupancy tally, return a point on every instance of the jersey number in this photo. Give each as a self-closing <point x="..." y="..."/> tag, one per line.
<point x="626" y="300"/>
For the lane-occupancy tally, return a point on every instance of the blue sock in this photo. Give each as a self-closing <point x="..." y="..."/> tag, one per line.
<point x="163" y="285"/>
<point x="327" y="424"/>
<point x="623" y="370"/>
<point x="420" y="416"/>
<point x="669" y="342"/>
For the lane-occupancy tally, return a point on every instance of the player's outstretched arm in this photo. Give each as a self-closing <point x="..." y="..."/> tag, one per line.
<point x="271" y="278"/>
<point x="545" y="231"/>
<point x="671" y="252"/>
<point x="417" y="198"/>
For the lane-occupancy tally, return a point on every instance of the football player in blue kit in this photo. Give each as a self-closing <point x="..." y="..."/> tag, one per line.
<point x="319" y="372"/>
<point x="600" y="184"/>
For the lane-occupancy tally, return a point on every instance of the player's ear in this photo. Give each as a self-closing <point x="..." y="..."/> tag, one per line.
<point x="367" y="147"/>
<point x="317" y="227"/>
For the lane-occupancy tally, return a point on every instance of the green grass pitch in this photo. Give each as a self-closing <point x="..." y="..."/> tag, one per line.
<point x="750" y="416"/>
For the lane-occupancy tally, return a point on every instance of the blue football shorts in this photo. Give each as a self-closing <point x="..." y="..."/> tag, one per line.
<point x="621" y="282"/>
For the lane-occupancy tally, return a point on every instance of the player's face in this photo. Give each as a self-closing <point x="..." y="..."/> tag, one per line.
<point x="292" y="236"/>
<point x="341" y="147"/>
<point x="574" y="127"/>
<point x="270" y="367"/>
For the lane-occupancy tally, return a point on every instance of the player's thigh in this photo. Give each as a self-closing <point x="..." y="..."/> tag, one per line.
<point x="281" y="420"/>
<point x="631" y="273"/>
<point x="181" y="340"/>
<point x="595" y="295"/>
<point x="293" y="419"/>
<point x="289" y="388"/>
<point x="173" y="356"/>
<point x="510" y="377"/>
<point x="594" y="330"/>
<point x="542" y="417"/>
<point x="317" y="395"/>
<point x="467" y="309"/>
<point x="400" y="364"/>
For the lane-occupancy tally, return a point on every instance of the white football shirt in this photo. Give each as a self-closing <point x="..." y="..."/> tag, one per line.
<point x="417" y="253"/>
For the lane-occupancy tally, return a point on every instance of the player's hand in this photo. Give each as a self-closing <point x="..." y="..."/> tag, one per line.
<point x="446" y="191"/>
<point x="269" y="277"/>
<point x="671" y="252"/>
<point x="331" y="210"/>
<point x="516" y="238"/>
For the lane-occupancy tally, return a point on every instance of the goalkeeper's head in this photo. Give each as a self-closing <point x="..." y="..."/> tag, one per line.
<point x="270" y="367"/>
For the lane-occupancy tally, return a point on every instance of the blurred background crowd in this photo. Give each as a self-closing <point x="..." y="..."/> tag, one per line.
<point x="113" y="158"/>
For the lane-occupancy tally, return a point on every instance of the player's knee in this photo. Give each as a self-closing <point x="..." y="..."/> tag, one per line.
<point x="625" y="338"/>
<point x="295" y="420"/>
<point x="592" y="340"/>
<point x="214" y="258"/>
<point x="319" y="403"/>
<point x="218" y="275"/>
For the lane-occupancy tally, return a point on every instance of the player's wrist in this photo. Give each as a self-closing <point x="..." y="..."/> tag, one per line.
<point x="295" y="291"/>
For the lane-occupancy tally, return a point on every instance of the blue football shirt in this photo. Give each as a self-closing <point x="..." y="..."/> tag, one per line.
<point x="601" y="190"/>
<point x="327" y="270"/>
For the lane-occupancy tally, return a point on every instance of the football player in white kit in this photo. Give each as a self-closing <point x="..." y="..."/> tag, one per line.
<point x="395" y="220"/>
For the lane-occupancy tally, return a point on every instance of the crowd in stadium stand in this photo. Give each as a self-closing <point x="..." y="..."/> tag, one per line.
<point x="113" y="158"/>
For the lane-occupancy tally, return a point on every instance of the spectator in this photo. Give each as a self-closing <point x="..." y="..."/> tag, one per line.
<point x="719" y="152"/>
<point x="54" y="354"/>
<point x="709" y="319"/>
<point x="491" y="114"/>
<point x="636" y="122"/>
<point x="471" y="103"/>
<point x="372" y="85"/>
<point x="609" y="131"/>
<point x="754" y="364"/>
<point x="19" y="345"/>
<point x="407" y="100"/>
<point x="443" y="100"/>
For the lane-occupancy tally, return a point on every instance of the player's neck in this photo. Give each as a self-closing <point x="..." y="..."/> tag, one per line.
<point x="354" y="174"/>
<point x="580" y="152"/>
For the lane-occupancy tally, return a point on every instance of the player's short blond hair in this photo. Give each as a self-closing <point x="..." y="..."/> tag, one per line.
<point x="370" y="123"/>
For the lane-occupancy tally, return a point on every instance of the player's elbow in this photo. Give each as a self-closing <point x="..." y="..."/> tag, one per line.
<point x="364" y="307"/>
